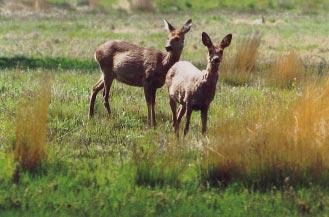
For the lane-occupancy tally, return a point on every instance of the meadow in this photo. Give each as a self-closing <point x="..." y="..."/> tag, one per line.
<point x="266" y="152"/>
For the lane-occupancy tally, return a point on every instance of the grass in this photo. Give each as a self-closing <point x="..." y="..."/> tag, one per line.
<point x="117" y="165"/>
<point x="240" y="67"/>
<point x="272" y="142"/>
<point x="287" y="71"/>
<point x="305" y="6"/>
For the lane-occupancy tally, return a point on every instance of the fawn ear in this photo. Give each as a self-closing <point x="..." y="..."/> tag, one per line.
<point x="226" y="41"/>
<point x="168" y="26"/>
<point x="187" y="26"/>
<point x="206" y="40"/>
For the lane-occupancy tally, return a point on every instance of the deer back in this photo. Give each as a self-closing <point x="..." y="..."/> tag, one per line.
<point x="130" y="63"/>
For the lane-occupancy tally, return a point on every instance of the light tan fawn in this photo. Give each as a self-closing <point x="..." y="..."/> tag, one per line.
<point x="192" y="88"/>
<point x="137" y="66"/>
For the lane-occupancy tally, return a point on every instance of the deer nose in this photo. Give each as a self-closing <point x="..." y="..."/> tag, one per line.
<point x="168" y="48"/>
<point x="215" y="59"/>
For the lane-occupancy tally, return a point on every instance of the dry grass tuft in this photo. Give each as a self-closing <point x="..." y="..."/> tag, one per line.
<point x="238" y="67"/>
<point x="31" y="127"/>
<point x="286" y="71"/>
<point x="272" y="142"/>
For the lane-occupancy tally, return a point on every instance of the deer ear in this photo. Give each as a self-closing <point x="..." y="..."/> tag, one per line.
<point x="226" y="41"/>
<point x="168" y="26"/>
<point x="206" y="40"/>
<point x="187" y="26"/>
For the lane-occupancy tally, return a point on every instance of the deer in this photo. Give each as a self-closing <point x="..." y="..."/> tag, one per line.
<point x="194" y="89"/>
<point x="137" y="66"/>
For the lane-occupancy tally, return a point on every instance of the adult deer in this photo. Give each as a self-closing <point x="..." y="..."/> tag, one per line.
<point x="192" y="88"/>
<point x="137" y="66"/>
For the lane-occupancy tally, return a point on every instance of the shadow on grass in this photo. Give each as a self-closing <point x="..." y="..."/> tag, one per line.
<point x="57" y="63"/>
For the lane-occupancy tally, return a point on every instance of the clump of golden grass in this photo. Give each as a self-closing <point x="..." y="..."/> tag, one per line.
<point x="31" y="127"/>
<point x="240" y="65"/>
<point x="286" y="71"/>
<point x="272" y="142"/>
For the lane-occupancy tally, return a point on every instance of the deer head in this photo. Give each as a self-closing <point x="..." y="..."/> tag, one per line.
<point x="215" y="52"/>
<point x="176" y="37"/>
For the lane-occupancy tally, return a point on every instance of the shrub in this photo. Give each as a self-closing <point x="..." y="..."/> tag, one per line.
<point x="31" y="127"/>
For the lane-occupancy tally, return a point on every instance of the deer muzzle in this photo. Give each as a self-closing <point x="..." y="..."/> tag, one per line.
<point x="215" y="59"/>
<point x="168" y="48"/>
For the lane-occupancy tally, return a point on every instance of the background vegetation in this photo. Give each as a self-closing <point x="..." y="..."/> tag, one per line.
<point x="266" y="153"/>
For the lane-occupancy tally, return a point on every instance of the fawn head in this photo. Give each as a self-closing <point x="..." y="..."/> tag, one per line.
<point x="215" y="54"/>
<point x="176" y="37"/>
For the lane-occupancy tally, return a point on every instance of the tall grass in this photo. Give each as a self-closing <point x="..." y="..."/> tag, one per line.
<point x="239" y="66"/>
<point x="286" y="71"/>
<point x="273" y="142"/>
<point x="31" y="126"/>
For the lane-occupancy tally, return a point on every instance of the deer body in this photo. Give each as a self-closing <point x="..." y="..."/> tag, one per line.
<point x="192" y="88"/>
<point x="137" y="66"/>
<point x="189" y="84"/>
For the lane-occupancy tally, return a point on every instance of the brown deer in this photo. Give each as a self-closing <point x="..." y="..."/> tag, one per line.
<point x="192" y="88"/>
<point x="137" y="66"/>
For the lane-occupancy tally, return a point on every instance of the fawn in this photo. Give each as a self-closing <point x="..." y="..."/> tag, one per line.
<point x="137" y="66"/>
<point x="192" y="88"/>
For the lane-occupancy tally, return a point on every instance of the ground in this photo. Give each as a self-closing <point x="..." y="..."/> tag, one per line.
<point x="100" y="167"/>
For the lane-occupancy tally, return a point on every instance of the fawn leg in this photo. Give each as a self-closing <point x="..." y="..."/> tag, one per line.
<point x="173" y="106"/>
<point x="96" y="88"/>
<point x="108" y="79"/>
<point x="188" y="118"/>
<point x="204" y="114"/>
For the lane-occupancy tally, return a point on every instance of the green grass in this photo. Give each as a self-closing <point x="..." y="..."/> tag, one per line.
<point x="305" y="6"/>
<point x="117" y="166"/>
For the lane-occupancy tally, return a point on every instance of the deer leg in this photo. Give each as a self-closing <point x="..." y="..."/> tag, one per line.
<point x="96" y="88"/>
<point x="188" y="117"/>
<point x="148" y="99"/>
<point x="181" y="113"/>
<point x="173" y="106"/>
<point x="204" y="114"/>
<point x="108" y="79"/>
<point x="153" y="95"/>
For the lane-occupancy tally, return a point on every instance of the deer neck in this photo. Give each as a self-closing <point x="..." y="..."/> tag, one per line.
<point x="170" y="59"/>
<point x="212" y="72"/>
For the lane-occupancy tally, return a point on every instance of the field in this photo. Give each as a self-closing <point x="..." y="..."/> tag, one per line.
<point x="266" y="152"/>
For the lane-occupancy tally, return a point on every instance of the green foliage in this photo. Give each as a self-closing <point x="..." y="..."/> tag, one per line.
<point x="7" y="167"/>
